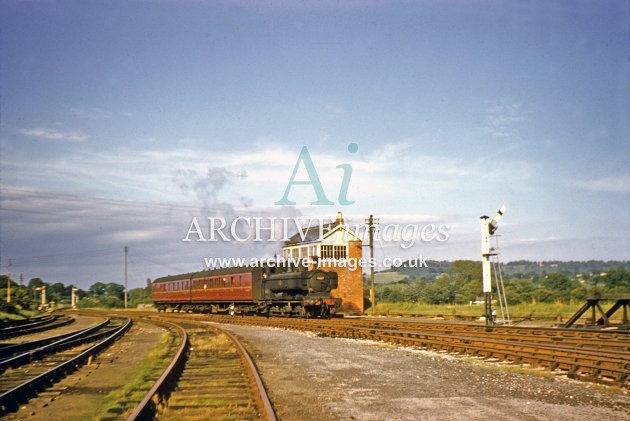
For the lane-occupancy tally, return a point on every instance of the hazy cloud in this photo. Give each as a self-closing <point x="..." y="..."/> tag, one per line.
<point x="54" y="134"/>
<point x="613" y="184"/>
<point x="97" y="113"/>
<point x="504" y="118"/>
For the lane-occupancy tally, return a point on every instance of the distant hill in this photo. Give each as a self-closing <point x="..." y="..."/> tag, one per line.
<point x="589" y="267"/>
<point x="517" y="268"/>
<point x="435" y="268"/>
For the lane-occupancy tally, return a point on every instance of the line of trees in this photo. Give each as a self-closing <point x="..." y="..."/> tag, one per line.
<point x="461" y="283"/>
<point x="99" y="294"/>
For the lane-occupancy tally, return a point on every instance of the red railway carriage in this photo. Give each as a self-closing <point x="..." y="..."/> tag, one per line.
<point x="217" y="286"/>
<point x="230" y="287"/>
<point x="248" y="290"/>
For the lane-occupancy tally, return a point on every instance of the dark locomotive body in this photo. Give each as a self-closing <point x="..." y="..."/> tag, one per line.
<point x="248" y="290"/>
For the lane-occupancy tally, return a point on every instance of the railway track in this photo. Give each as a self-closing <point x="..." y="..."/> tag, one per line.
<point x="34" y="325"/>
<point x="20" y="354"/>
<point x="596" y="356"/>
<point x="210" y="377"/>
<point x="21" y="322"/>
<point x="31" y="370"/>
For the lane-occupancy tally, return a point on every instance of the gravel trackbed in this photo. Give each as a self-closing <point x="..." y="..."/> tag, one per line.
<point x="310" y="377"/>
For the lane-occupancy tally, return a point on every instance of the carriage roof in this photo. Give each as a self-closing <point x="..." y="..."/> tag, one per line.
<point x="207" y="273"/>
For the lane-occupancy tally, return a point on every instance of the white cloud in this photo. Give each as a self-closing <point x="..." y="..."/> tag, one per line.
<point x="613" y="184"/>
<point x="97" y="113"/>
<point x="54" y="134"/>
<point x="396" y="175"/>
<point x="79" y="240"/>
<point x="504" y="118"/>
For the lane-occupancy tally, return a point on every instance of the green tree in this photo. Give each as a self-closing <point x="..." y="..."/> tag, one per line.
<point x="437" y="293"/>
<point x="22" y="298"/>
<point x="35" y="283"/>
<point x="415" y="292"/>
<point x="88" y="302"/>
<point x="581" y="293"/>
<point x="392" y="295"/>
<point x="55" y="292"/>
<point x="115" y="290"/>
<point x="521" y="290"/>
<point x="111" y="302"/>
<point x="139" y="296"/>
<point x="616" y="278"/>
<point x="560" y="285"/>
<point x="471" y="290"/>
<point x="466" y="270"/>
<point x="97" y="289"/>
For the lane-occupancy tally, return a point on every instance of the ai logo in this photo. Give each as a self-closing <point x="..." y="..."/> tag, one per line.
<point x="313" y="179"/>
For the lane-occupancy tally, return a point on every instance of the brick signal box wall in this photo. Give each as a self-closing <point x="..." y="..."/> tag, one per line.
<point x="350" y="288"/>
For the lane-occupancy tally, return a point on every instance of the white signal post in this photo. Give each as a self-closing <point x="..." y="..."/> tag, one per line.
<point x="488" y="227"/>
<point x="74" y="298"/>
<point x="43" y="291"/>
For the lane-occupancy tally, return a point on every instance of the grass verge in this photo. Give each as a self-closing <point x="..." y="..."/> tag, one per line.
<point x="124" y="399"/>
<point x="539" y="311"/>
<point x="24" y="314"/>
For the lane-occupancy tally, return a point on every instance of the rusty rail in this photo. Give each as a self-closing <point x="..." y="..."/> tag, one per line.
<point x="263" y="399"/>
<point x="584" y="354"/>
<point x="40" y="325"/>
<point x="146" y="408"/>
<point x="36" y="350"/>
<point x="11" y="399"/>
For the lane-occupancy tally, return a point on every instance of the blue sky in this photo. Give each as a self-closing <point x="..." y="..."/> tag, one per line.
<point x="123" y="120"/>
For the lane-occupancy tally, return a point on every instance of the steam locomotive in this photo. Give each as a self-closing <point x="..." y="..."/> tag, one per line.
<point x="249" y="290"/>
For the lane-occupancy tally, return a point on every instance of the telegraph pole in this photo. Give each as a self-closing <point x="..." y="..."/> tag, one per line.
<point x="126" y="251"/>
<point x="9" y="281"/>
<point x="370" y="223"/>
